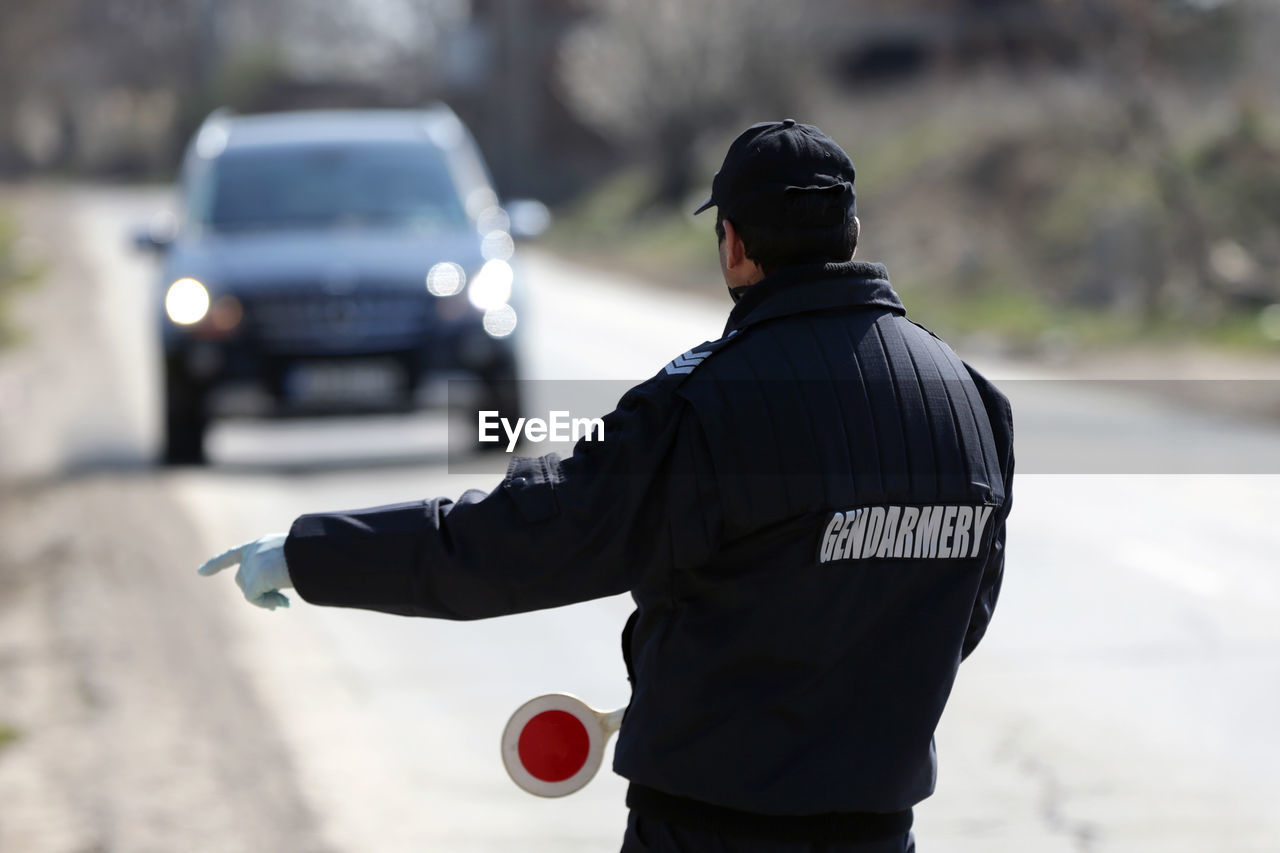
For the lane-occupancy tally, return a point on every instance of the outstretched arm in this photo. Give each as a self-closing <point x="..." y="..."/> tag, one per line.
<point x="553" y="532"/>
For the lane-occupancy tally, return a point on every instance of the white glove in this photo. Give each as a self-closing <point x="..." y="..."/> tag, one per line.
<point x="262" y="573"/>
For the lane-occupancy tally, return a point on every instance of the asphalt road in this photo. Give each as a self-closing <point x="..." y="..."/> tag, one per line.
<point x="1125" y="698"/>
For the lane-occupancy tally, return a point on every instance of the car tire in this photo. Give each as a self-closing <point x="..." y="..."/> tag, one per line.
<point x="501" y="395"/>
<point x="185" y="423"/>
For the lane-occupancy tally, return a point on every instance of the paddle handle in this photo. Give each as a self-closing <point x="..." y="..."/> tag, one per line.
<point x="610" y="721"/>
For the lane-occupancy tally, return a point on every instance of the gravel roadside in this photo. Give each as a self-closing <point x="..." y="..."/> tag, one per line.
<point x="135" y="729"/>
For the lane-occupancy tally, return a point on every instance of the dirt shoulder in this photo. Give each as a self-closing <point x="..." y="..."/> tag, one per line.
<point x="135" y="729"/>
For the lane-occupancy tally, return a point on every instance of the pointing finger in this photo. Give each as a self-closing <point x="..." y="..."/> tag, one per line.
<point x="225" y="560"/>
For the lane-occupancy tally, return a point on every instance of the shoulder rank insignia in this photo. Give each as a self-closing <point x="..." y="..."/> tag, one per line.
<point x="687" y="361"/>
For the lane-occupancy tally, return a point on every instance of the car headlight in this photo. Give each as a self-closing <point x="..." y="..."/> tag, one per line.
<point x="499" y="322"/>
<point x="491" y="286"/>
<point x="186" y="302"/>
<point x="446" y="279"/>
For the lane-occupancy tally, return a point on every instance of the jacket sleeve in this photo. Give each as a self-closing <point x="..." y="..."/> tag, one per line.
<point x="618" y="512"/>
<point x="1001" y="417"/>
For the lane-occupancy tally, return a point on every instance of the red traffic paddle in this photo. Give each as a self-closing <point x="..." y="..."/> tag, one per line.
<point x="554" y="744"/>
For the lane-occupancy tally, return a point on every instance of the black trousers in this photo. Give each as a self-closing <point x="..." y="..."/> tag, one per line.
<point x="650" y="835"/>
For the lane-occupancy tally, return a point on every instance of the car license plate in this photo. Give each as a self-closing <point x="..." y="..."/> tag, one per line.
<point x="358" y="382"/>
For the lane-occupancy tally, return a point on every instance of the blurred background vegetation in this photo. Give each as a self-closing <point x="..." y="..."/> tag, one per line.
<point x="1056" y="174"/>
<point x="17" y="269"/>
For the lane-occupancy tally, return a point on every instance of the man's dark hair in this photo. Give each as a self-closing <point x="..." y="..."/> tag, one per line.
<point x="817" y="230"/>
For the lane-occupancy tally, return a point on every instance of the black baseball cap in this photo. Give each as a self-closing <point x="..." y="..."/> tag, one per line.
<point x="774" y="159"/>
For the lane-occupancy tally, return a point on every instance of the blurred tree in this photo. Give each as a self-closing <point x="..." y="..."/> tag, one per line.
<point x="661" y="75"/>
<point x="396" y="44"/>
<point x="83" y="77"/>
<point x="28" y="28"/>
<point x="1143" y="239"/>
<point x="88" y="73"/>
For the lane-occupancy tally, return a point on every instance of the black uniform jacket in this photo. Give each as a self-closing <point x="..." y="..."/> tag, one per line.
<point x="810" y="514"/>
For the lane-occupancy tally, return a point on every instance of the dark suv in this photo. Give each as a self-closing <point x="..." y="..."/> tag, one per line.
<point x="332" y="262"/>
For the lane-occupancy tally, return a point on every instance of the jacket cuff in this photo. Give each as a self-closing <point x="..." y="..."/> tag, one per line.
<point x="362" y="558"/>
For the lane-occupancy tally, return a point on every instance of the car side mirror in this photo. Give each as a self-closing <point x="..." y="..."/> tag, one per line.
<point x="144" y="241"/>
<point x="157" y="235"/>
<point x="529" y="218"/>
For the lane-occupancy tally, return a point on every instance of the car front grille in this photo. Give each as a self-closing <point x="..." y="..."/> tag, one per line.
<point x="313" y="321"/>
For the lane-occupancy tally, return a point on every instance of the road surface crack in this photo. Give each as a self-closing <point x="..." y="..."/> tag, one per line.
<point x="1051" y="800"/>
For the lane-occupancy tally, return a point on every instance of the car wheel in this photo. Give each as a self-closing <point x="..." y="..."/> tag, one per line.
<point x="503" y="396"/>
<point x="185" y="422"/>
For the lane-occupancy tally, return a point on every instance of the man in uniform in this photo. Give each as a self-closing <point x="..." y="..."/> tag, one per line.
<point x="809" y="513"/>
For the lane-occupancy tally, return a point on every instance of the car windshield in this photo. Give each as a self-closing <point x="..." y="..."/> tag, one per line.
<point x="320" y="186"/>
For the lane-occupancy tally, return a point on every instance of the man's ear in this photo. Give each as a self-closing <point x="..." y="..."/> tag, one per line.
<point x="735" y="253"/>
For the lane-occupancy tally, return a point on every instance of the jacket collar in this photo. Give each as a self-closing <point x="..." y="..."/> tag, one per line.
<point x="814" y="287"/>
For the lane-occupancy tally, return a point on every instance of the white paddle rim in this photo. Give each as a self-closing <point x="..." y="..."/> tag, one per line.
<point x="599" y="725"/>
